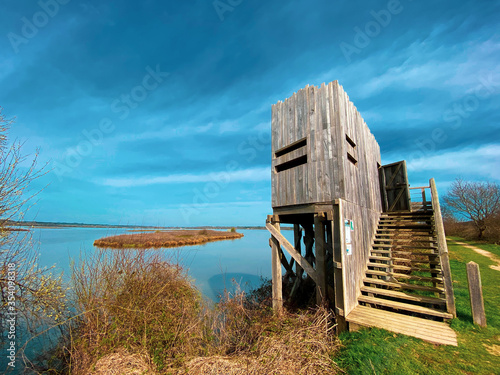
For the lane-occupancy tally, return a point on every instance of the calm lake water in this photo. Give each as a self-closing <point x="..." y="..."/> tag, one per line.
<point x="212" y="266"/>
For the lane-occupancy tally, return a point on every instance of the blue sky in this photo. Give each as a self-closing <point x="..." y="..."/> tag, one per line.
<point x="158" y="112"/>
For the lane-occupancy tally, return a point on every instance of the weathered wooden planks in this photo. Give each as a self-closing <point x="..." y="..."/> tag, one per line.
<point x="476" y="294"/>
<point x="277" y="289"/>
<point x="333" y="129"/>
<point x="443" y="250"/>
<point x="428" y="330"/>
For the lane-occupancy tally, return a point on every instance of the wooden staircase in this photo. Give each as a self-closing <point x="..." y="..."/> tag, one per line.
<point x="404" y="289"/>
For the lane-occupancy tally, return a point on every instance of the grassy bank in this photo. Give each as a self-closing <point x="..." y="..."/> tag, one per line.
<point x="135" y="313"/>
<point x="140" y="313"/>
<point x="158" y="239"/>
<point x="374" y="351"/>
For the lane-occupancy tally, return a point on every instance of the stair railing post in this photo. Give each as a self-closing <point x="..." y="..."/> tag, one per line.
<point x="443" y="250"/>
<point x="424" y="203"/>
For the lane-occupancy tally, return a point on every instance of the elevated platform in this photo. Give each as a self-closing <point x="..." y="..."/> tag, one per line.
<point x="427" y="330"/>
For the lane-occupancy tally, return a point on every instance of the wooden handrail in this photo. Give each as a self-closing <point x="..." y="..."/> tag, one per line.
<point x="419" y="187"/>
<point x="443" y="250"/>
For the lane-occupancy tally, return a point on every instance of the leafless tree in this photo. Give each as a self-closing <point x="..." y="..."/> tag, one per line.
<point x="28" y="292"/>
<point x="475" y="201"/>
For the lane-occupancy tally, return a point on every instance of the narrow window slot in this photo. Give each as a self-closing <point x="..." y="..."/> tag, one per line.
<point x="352" y="159"/>
<point x="291" y="164"/>
<point x="292" y="147"/>
<point x="350" y="141"/>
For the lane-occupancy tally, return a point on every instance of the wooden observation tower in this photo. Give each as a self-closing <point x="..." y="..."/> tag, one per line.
<point x="376" y="254"/>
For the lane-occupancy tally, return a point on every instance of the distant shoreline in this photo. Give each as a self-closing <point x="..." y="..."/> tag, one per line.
<point x="57" y="225"/>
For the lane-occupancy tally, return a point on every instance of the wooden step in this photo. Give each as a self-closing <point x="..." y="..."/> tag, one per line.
<point x="398" y="285"/>
<point x="413" y="227"/>
<point x="404" y="236"/>
<point x="401" y="242"/>
<point x="371" y="257"/>
<point x="405" y="306"/>
<point x="403" y="252"/>
<point x="404" y="268"/>
<point x="427" y="330"/>
<point x="406" y="219"/>
<point x="405" y="296"/>
<point x="405" y="276"/>
<point x="406" y="215"/>
<point x="405" y="223"/>
<point x="430" y="247"/>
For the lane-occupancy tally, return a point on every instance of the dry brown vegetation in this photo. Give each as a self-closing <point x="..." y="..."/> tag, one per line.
<point x="157" y="239"/>
<point x="141" y="314"/>
<point x="468" y="230"/>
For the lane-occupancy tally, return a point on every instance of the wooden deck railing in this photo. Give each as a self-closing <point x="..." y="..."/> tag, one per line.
<point x="420" y="195"/>
<point x="443" y="250"/>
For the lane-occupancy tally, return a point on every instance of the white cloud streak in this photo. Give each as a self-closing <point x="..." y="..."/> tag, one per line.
<point x="483" y="162"/>
<point x="224" y="177"/>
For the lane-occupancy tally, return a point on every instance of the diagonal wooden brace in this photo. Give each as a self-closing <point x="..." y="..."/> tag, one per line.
<point x="294" y="253"/>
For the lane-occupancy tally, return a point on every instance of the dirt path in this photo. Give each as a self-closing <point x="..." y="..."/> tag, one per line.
<point x="485" y="253"/>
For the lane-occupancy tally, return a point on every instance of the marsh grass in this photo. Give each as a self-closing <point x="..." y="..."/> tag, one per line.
<point x="135" y="301"/>
<point x="159" y="239"/>
<point x="137" y="313"/>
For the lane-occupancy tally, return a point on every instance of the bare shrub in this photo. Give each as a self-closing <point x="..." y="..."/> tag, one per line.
<point x="136" y="301"/>
<point x="28" y="292"/>
<point x="140" y="313"/>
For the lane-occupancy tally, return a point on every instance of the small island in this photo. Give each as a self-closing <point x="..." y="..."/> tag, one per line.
<point x="170" y="238"/>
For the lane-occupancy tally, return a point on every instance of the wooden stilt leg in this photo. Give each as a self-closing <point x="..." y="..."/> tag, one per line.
<point x="319" y="232"/>
<point x="276" y="272"/>
<point x="309" y="243"/>
<point x="297" y="233"/>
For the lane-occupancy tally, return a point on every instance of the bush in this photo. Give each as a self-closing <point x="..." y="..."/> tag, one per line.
<point x="135" y="301"/>
<point x="139" y="313"/>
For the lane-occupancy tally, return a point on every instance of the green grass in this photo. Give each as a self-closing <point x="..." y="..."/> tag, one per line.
<point x="375" y="351"/>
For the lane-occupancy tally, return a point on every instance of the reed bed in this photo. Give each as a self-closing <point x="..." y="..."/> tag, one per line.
<point x="138" y="314"/>
<point x="158" y="239"/>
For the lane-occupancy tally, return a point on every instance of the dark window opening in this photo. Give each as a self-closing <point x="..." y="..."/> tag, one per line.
<point x="352" y="159"/>
<point x="292" y="147"/>
<point x="291" y="164"/>
<point x="350" y="141"/>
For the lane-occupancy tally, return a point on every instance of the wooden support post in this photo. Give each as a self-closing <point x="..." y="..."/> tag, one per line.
<point x="276" y="269"/>
<point x="476" y="294"/>
<point x="319" y="239"/>
<point x="297" y="236"/>
<point x="309" y="243"/>
<point x="337" y="227"/>
<point x="330" y="263"/>
<point x="299" y="271"/>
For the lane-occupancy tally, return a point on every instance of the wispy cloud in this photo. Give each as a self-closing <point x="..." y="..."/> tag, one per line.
<point x="483" y="162"/>
<point x="244" y="175"/>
